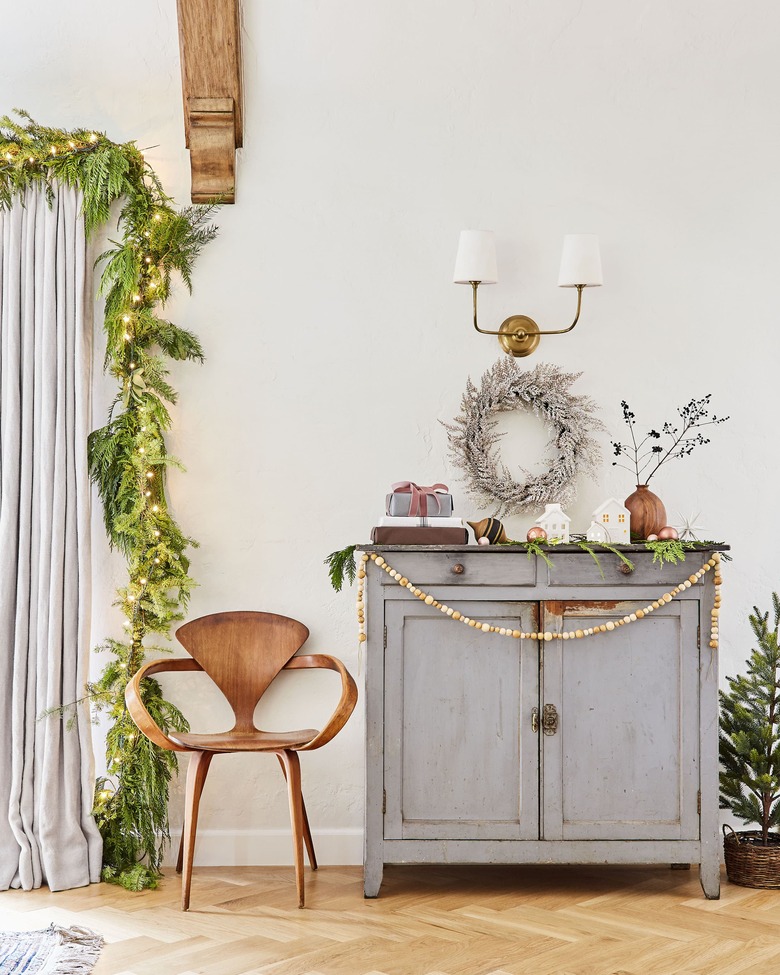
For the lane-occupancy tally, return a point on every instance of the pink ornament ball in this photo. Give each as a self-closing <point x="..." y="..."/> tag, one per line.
<point x="667" y="534"/>
<point x="536" y="535"/>
<point x="652" y="538"/>
<point x="483" y="541"/>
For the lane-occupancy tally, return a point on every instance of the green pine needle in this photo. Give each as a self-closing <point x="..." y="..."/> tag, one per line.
<point x="341" y="564"/>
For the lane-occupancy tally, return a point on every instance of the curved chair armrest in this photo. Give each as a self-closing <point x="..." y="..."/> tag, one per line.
<point x="135" y="704"/>
<point x="346" y="705"/>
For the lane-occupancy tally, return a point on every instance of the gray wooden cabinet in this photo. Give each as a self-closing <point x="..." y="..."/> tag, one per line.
<point x="486" y="749"/>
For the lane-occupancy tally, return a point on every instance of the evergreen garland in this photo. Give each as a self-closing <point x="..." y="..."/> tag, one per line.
<point x="127" y="457"/>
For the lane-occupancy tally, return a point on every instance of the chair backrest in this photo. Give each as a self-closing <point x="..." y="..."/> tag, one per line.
<point x="242" y="652"/>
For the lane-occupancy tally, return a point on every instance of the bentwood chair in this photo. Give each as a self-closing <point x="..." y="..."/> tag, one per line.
<point x="243" y="652"/>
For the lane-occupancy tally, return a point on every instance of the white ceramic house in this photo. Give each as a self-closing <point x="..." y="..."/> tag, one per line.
<point x="615" y="518"/>
<point x="555" y="522"/>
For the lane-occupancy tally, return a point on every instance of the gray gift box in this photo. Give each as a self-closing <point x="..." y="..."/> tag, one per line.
<point x="398" y="505"/>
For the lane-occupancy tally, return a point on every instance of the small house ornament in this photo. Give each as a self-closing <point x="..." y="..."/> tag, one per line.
<point x="615" y="518"/>
<point x="597" y="532"/>
<point x="555" y="522"/>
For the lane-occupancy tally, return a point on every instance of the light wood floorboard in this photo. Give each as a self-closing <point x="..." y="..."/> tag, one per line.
<point x="427" y="921"/>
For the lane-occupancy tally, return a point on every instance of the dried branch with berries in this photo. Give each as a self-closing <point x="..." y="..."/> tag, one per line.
<point x="645" y="456"/>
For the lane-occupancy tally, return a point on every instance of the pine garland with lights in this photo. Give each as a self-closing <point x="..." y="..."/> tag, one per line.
<point x="127" y="457"/>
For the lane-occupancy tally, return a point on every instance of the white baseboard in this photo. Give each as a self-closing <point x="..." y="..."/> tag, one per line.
<point x="268" y="847"/>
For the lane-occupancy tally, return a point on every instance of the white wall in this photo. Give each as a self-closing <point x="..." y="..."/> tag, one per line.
<point x="336" y="343"/>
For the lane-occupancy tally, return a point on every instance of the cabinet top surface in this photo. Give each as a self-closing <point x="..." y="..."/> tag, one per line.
<point x="521" y="550"/>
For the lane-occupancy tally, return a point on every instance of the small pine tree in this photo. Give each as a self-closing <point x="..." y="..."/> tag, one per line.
<point x="749" y="735"/>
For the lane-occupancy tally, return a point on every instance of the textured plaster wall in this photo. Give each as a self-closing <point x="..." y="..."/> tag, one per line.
<point x="336" y="343"/>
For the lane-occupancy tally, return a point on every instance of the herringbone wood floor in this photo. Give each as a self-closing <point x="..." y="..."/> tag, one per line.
<point x="427" y="921"/>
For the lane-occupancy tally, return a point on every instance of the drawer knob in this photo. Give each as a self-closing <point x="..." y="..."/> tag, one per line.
<point x="458" y="569"/>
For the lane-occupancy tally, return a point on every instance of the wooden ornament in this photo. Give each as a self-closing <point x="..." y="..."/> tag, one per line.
<point x="667" y="534"/>
<point x="536" y="534"/>
<point x="489" y="528"/>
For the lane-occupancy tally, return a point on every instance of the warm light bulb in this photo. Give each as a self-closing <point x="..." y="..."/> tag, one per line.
<point x="125" y="318"/>
<point x="143" y="429"/>
<point x="8" y="156"/>
<point x="156" y="561"/>
<point x="142" y="450"/>
<point x="136" y="297"/>
<point x="93" y="138"/>
<point x="150" y="473"/>
<point x="132" y="365"/>
<point x="31" y="159"/>
<point x="131" y="599"/>
<point x="142" y="581"/>
<point x="148" y="494"/>
<point x="72" y="145"/>
<point x="156" y="534"/>
<point x="156" y="508"/>
<point x="147" y="259"/>
<point x="127" y="336"/>
<point x="53" y="150"/>
<point x="157" y="217"/>
<point x="152" y="285"/>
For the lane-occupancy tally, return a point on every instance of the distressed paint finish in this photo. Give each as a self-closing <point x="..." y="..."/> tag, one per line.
<point x="452" y="759"/>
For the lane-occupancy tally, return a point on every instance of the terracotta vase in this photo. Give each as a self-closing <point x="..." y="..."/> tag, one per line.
<point x="648" y="515"/>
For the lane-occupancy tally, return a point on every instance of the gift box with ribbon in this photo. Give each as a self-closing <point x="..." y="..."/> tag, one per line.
<point x="410" y="500"/>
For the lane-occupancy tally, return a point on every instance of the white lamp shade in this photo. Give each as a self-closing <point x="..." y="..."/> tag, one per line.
<point x="476" y="260"/>
<point x="580" y="261"/>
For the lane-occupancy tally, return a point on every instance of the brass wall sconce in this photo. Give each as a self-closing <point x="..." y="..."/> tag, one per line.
<point x="519" y="334"/>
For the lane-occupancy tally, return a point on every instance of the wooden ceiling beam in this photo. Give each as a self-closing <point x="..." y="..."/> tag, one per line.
<point x="210" y="46"/>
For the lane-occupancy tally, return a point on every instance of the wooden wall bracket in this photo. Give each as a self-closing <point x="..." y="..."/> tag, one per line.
<point x="210" y="46"/>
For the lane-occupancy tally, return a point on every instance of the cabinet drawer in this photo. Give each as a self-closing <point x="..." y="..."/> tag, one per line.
<point x="464" y="568"/>
<point x="575" y="569"/>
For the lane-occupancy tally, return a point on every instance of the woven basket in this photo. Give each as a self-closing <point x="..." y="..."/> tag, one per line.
<point x="748" y="863"/>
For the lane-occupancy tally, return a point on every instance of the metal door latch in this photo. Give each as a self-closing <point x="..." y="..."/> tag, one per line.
<point x="549" y="719"/>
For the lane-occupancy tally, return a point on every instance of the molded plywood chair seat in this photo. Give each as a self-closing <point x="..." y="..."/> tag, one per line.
<point x="242" y="653"/>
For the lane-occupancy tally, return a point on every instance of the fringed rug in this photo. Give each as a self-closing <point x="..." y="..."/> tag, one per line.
<point x="54" y="951"/>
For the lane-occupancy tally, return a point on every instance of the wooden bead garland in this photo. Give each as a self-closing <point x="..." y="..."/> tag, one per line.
<point x="667" y="597"/>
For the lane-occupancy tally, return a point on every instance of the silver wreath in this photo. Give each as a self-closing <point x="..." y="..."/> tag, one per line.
<point x="545" y="392"/>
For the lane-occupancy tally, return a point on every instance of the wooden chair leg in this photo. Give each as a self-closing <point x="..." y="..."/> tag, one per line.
<point x="293" y="775"/>
<point x="180" y="857"/>
<point x="308" y="841"/>
<point x="196" y="777"/>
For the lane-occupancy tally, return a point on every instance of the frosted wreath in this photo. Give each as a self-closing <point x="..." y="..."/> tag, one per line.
<point x="545" y="392"/>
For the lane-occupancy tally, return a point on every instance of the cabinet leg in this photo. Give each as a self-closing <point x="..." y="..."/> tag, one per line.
<point x="709" y="877"/>
<point x="372" y="878"/>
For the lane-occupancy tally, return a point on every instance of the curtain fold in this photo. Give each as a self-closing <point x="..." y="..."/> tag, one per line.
<point x="47" y="833"/>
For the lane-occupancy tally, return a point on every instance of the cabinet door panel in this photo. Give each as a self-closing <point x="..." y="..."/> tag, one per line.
<point x="624" y="761"/>
<point x="461" y="759"/>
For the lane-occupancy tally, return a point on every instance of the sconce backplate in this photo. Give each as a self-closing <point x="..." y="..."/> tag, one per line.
<point x="519" y="335"/>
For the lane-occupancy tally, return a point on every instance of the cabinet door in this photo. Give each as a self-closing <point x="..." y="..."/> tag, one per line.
<point x="623" y="763"/>
<point x="461" y="760"/>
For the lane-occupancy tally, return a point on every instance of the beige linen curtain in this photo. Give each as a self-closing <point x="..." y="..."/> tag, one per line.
<point x="47" y="834"/>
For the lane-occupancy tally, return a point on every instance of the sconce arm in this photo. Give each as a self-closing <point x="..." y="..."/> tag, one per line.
<point x="563" y="331"/>
<point x="559" y="331"/>
<point x="474" y="286"/>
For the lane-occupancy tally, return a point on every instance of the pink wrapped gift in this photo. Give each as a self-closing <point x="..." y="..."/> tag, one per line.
<point x="419" y="501"/>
